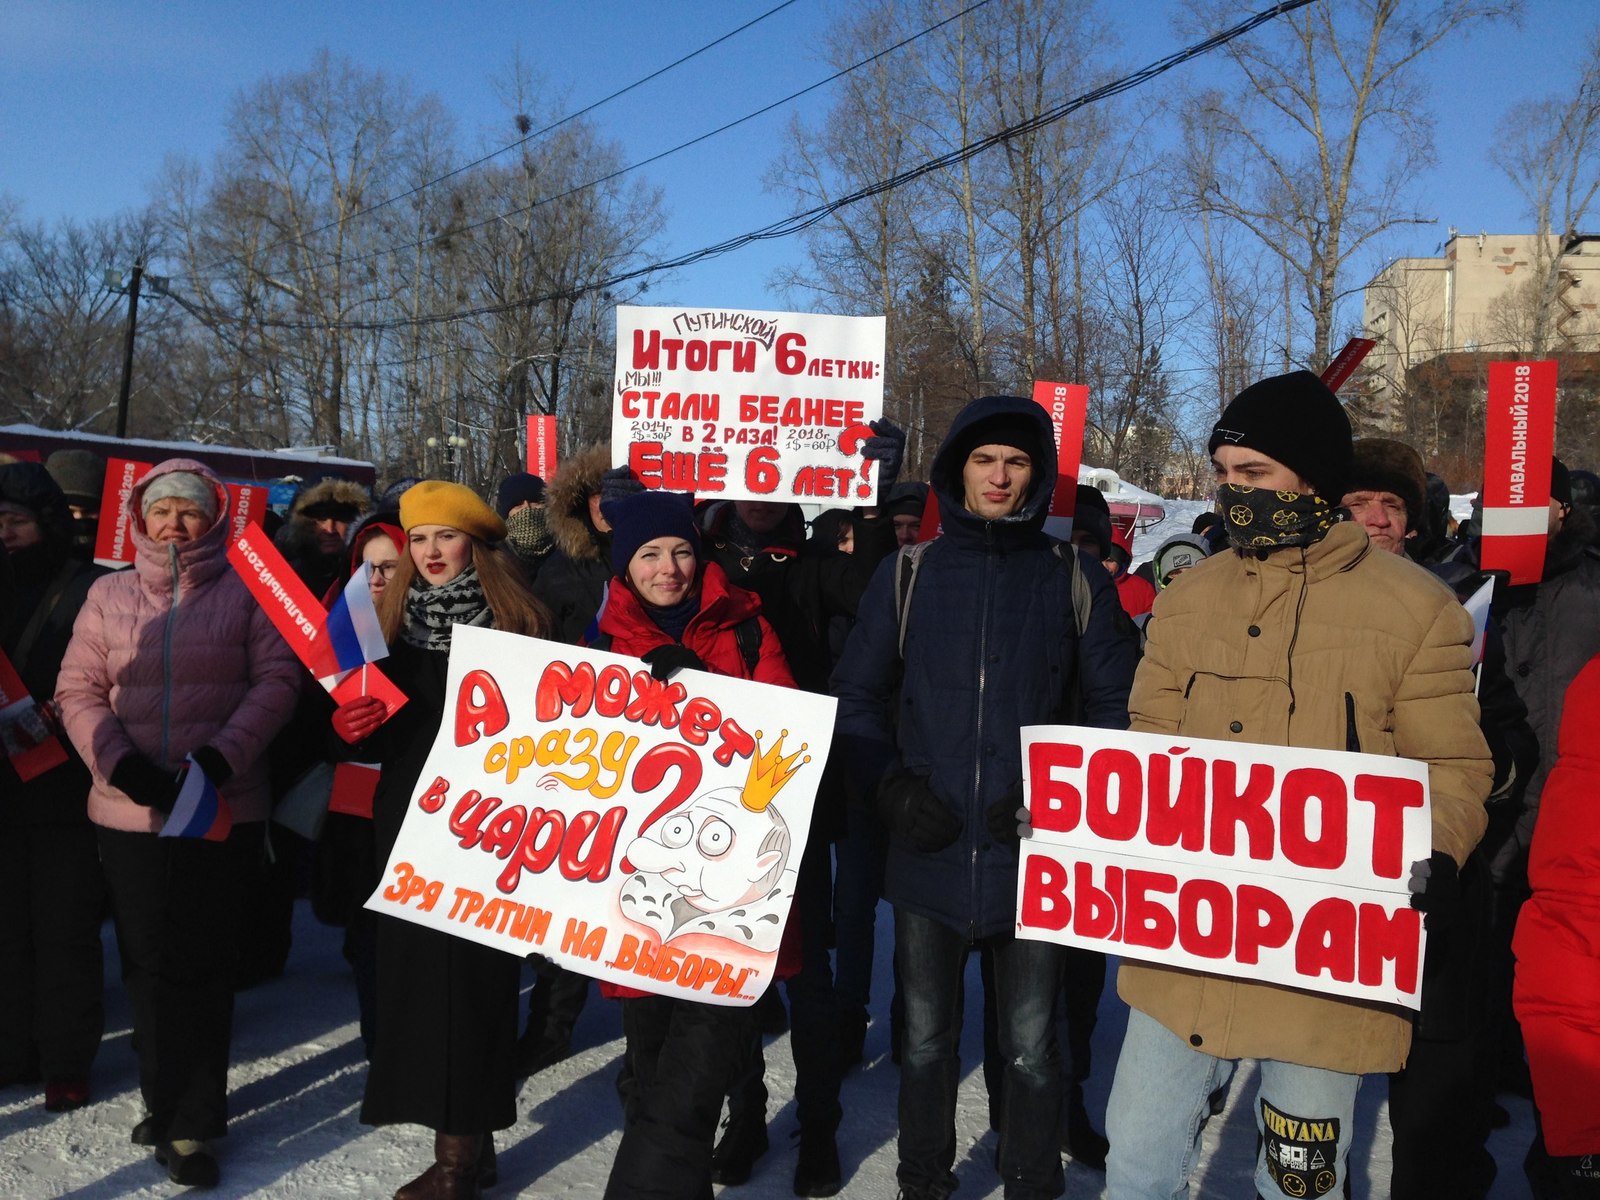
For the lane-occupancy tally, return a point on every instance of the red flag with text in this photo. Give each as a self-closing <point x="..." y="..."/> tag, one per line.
<point x="1517" y="448"/>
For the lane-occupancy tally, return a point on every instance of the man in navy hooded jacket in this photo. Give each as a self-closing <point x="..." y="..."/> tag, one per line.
<point x="990" y="645"/>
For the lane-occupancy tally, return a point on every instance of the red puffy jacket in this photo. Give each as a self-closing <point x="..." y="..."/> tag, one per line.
<point x="712" y="634"/>
<point x="1558" y="933"/>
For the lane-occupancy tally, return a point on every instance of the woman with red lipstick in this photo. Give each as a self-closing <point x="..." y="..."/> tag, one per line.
<point x="445" y="1035"/>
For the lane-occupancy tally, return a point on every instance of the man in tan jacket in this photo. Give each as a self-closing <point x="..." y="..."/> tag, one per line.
<point x="1303" y="634"/>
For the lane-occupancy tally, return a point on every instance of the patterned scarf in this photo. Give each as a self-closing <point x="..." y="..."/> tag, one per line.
<point x="1259" y="519"/>
<point x="432" y="612"/>
<point x="528" y="535"/>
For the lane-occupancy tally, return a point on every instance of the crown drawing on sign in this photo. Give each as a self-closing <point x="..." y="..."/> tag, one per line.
<point x="769" y="771"/>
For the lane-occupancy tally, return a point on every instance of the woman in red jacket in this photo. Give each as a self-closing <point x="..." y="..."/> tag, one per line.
<point x="673" y="609"/>
<point x="1558" y="950"/>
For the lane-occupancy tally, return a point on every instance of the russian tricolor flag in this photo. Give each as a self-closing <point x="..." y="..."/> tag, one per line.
<point x="353" y="629"/>
<point x="200" y="811"/>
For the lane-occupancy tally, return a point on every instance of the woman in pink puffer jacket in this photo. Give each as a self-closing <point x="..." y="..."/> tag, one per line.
<point x="168" y="661"/>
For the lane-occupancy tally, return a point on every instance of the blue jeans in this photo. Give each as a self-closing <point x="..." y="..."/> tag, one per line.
<point x="932" y="960"/>
<point x="1160" y="1101"/>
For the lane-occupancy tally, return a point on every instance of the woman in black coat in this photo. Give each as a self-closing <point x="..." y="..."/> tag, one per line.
<point x="446" y="1007"/>
<point x="51" y="889"/>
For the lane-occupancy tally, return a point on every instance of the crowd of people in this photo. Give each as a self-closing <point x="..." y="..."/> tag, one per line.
<point x="1318" y="607"/>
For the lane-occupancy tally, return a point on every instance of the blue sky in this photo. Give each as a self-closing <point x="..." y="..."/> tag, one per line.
<point x="93" y="96"/>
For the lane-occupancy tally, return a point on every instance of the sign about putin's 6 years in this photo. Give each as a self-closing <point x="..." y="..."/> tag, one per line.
<point x="641" y="831"/>
<point x="743" y="405"/>
<point x="1282" y="865"/>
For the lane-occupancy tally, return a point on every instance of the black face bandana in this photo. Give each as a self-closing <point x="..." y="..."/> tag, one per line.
<point x="1258" y="519"/>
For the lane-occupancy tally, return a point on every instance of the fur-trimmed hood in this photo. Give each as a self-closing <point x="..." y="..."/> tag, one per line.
<point x="567" y="502"/>
<point x="331" y="490"/>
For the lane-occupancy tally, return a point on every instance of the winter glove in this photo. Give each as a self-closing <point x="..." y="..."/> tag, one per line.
<point x="356" y="720"/>
<point x="145" y="783"/>
<point x="912" y="813"/>
<point x="1435" y="885"/>
<point x="214" y="765"/>
<point x="1007" y="819"/>
<point x="617" y="483"/>
<point x="666" y="661"/>
<point x="887" y="446"/>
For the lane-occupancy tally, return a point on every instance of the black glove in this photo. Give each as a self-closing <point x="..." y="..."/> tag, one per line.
<point x="1006" y="818"/>
<point x="214" y="765"/>
<point x="911" y="812"/>
<point x="146" y="784"/>
<point x="888" y="447"/>
<point x="666" y="661"/>
<point x="617" y="483"/>
<point x="1435" y="885"/>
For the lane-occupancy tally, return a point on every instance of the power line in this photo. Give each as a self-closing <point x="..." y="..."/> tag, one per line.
<point x="416" y="243"/>
<point x="520" y="142"/>
<point x="801" y="221"/>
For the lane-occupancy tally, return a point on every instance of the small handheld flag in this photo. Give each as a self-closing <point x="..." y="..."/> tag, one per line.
<point x="353" y="628"/>
<point x="200" y="811"/>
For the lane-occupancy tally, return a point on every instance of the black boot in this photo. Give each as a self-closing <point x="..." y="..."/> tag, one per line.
<point x="744" y="1139"/>
<point x="454" y="1174"/>
<point x="1079" y="1138"/>
<point x="817" y="1173"/>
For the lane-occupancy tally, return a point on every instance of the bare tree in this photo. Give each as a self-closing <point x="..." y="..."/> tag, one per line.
<point x="1550" y="151"/>
<point x="1314" y="149"/>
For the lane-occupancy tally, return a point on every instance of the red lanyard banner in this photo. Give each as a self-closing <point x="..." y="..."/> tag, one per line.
<point x="30" y="746"/>
<point x="1517" y="448"/>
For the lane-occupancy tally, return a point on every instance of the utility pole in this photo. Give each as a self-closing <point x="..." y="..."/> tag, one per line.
<point x="158" y="284"/>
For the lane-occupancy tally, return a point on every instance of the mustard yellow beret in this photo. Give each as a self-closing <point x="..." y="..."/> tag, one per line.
<point x="435" y="502"/>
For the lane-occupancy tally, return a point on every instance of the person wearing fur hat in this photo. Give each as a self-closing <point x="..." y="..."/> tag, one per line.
<point x="173" y="667"/>
<point x="51" y="887"/>
<point x="1386" y="492"/>
<point x="673" y="609"/>
<point x="574" y="577"/>
<point x="446" y="1011"/>
<point x="313" y="538"/>
<point x="1302" y="634"/>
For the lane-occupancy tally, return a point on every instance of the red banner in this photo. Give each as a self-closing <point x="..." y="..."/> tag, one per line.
<point x="1345" y="362"/>
<point x="296" y="613"/>
<point x="1068" y="406"/>
<point x="247" y="504"/>
<point x="354" y="786"/>
<point x="542" y="447"/>
<point x="29" y="744"/>
<point x="112" y="545"/>
<point x="1517" y="448"/>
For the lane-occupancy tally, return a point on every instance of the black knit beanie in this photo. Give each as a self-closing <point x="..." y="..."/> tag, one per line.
<point x="518" y="488"/>
<point x="1002" y="429"/>
<point x="644" y="517"/>
<point x="1296" y="420"/>
<point x="1560" y="481"/>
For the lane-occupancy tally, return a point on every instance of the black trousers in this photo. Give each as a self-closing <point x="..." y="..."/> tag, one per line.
<point x="52" y="896"/>
<point x="683" y="1056"/>
<point x="176" y="906"/>
<point x="1438" y="1110"/>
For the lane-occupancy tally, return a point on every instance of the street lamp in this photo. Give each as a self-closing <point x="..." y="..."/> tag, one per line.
<point x="451" y="444"/>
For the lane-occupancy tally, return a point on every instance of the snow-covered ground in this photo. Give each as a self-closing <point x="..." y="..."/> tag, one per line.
<point x="298" y="1074"/>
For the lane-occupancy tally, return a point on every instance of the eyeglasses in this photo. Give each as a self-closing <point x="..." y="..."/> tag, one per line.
<point x="384" y="570"/>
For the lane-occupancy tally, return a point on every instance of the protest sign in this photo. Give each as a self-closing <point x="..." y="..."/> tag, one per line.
<point x="1068" y="406"/>
<point x="643" y="832"/>
<point x="299" y="617"/>
<point x="1345" y="362"/>
<point x="1269" y="863"/>
<point x="1517" y="447"/>
<point x="26" y="737"/>
<point x="542" y="447"/>
<point x="112" y="545"/>
<point x="748" y="405"/>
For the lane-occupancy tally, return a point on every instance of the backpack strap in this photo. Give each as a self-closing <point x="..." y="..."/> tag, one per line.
<point x="907" y="561"/>
<point x="1082" y="597"/>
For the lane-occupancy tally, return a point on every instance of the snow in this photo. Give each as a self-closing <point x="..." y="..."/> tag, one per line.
<point x="298" y="1073"/>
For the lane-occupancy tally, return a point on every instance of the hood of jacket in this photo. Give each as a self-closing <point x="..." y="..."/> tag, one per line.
<point x="567" y="502"/>
<point x="330" y="490"/>
<point x="948" y="486"/>
<point x="196" y="561"/>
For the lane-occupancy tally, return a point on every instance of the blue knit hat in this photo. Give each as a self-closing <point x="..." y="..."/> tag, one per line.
<point x="644" y="517"/>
